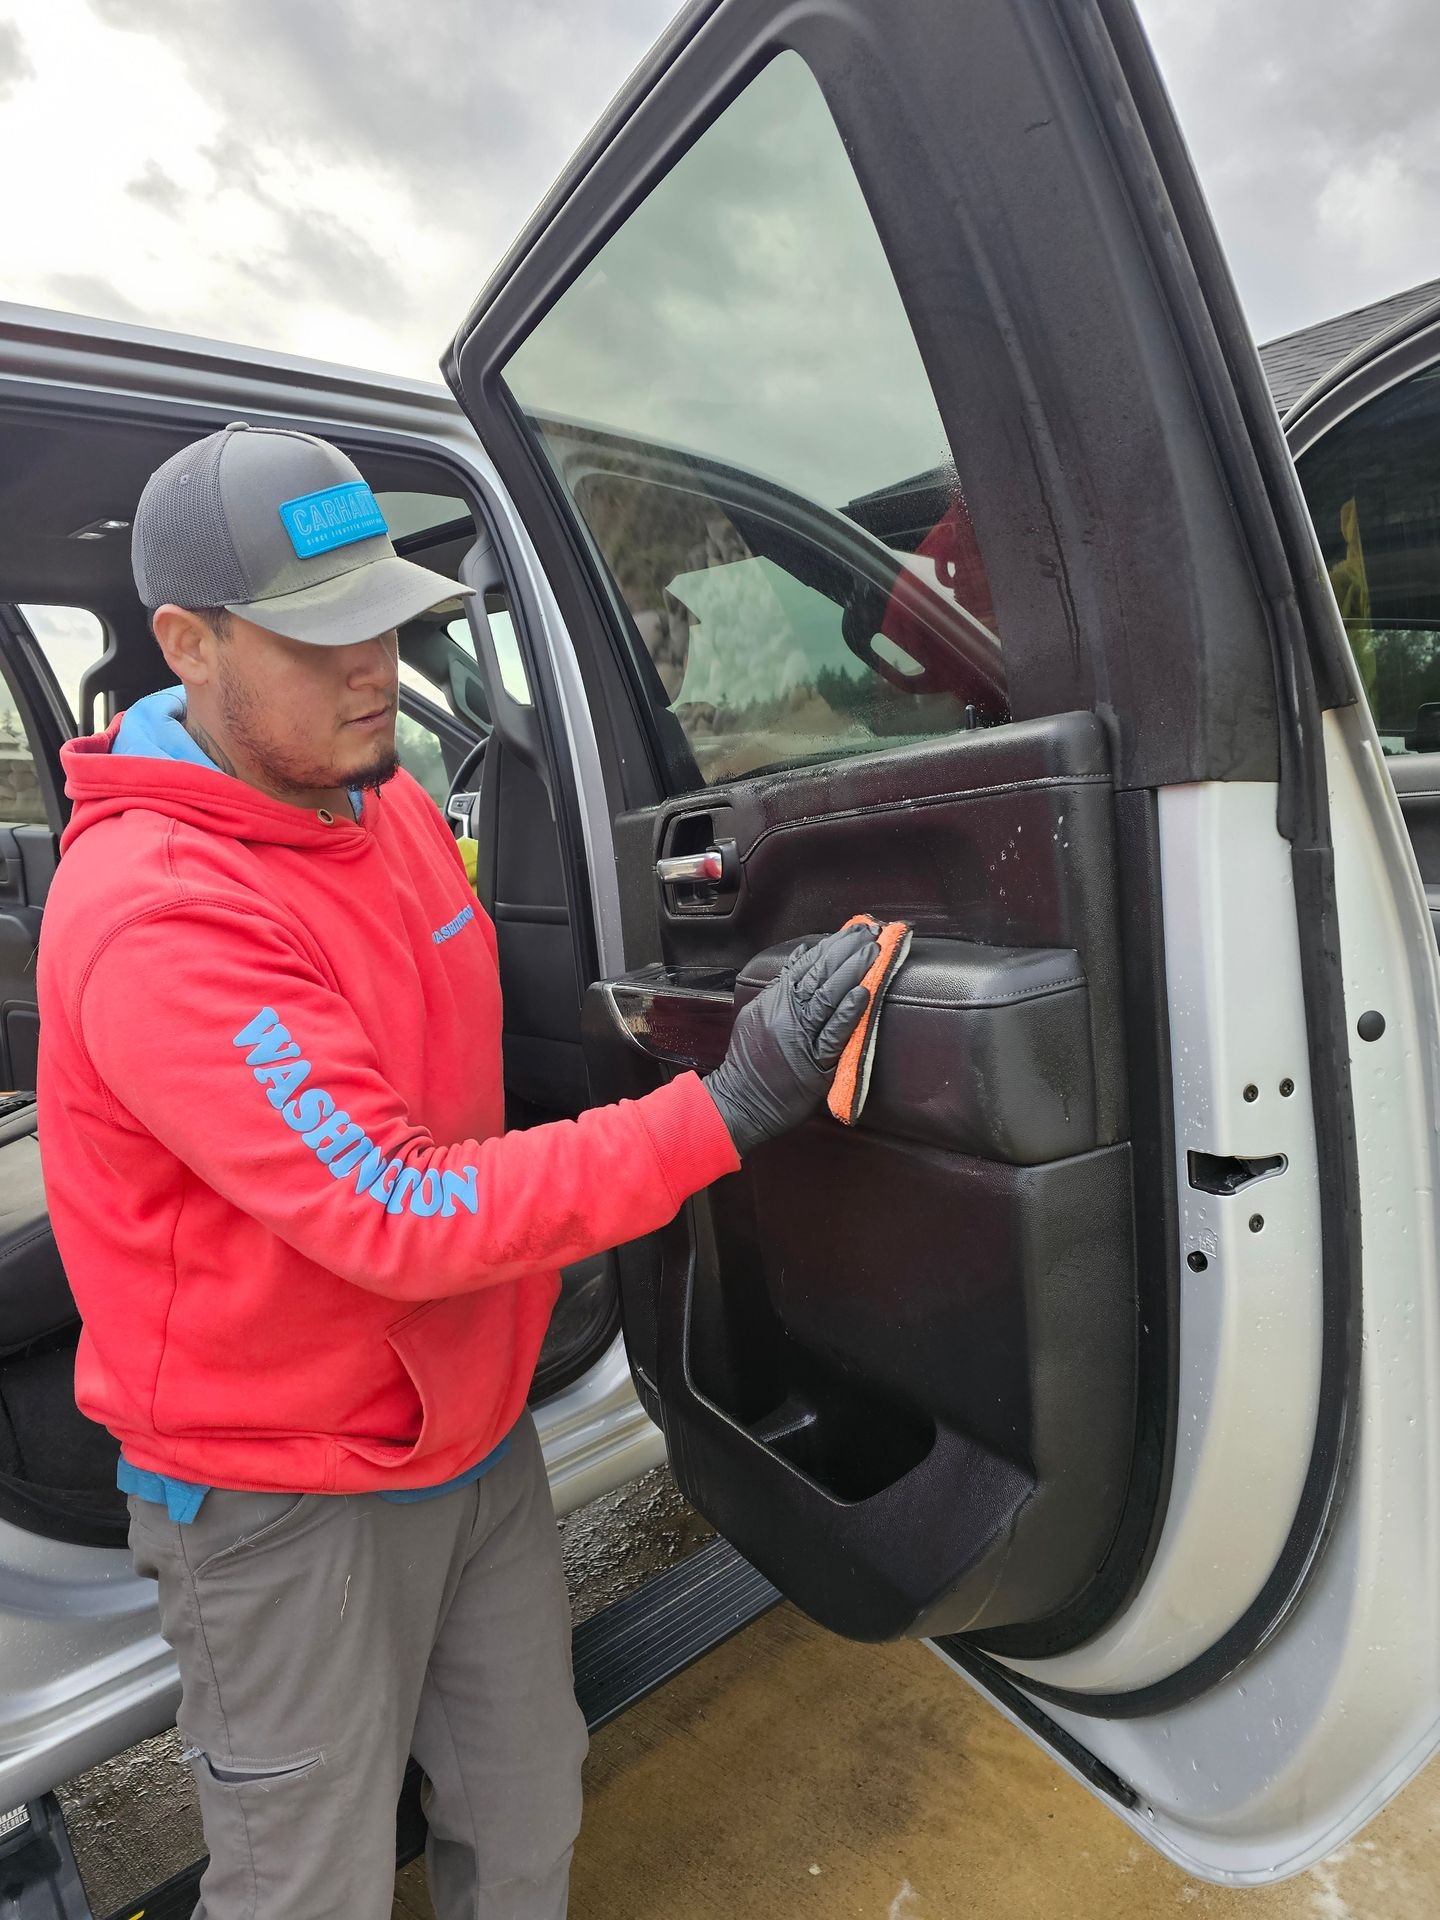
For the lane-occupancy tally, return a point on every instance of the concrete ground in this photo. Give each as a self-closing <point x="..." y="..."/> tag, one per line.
<point x="793" y="1776"/>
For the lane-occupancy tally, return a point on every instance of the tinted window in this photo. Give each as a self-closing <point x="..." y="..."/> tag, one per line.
<point x="735" y="405"/>
<point x="407" y="513"/>
<point x="1373" y="488"/>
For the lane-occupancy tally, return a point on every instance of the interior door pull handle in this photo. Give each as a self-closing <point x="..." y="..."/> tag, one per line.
<point x="682" y="869"/>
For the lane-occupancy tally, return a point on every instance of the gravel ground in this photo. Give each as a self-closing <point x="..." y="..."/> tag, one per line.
<point x="133" y="1820"/>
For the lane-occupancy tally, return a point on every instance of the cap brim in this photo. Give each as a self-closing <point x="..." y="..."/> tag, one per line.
<point x="354" y="606"/>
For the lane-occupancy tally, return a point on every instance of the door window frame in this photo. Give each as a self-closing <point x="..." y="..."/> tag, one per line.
<point x="1061" y="614"/>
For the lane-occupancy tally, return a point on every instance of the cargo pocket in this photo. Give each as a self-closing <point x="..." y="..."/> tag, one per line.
<point x="264" y="1823"/>
<point x="256" y="1773"/>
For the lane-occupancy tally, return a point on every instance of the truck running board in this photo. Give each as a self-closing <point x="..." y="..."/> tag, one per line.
<point x="621" y="1654"/>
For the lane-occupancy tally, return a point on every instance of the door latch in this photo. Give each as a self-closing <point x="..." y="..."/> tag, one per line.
<point x="1224" y="1173"/>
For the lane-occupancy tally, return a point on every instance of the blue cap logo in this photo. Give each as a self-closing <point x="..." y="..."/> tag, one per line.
<point x="334" y="517"/>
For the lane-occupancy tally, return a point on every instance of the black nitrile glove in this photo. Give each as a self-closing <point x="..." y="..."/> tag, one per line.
<point x="786" y="1044"/>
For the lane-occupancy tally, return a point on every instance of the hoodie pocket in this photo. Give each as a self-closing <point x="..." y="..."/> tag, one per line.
<point x="436" y="1345"/>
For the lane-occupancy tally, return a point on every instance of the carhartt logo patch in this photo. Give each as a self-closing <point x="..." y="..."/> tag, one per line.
<point x="452" y="927"/>
<point x="334" y="517"/>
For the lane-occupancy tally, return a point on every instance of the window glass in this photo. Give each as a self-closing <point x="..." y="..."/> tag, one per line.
<point x="513" y="677"/>
<point x="407" y="513"/>
<point x="421" y="755"/>
<point x="734" y="402"/>
<point x="417" y="680"/>
<point x="71" y="639"/>
<point x="1373" y="488"/>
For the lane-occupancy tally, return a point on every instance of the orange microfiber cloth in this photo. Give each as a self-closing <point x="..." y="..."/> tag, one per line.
<point x="852" y="1076"/>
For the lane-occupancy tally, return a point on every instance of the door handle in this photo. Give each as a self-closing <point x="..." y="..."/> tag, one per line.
<point x="692" y="869"/>
<point x="717" y="865"/>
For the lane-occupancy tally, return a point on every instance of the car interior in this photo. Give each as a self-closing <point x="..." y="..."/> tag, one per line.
<point x="75" y="649"/>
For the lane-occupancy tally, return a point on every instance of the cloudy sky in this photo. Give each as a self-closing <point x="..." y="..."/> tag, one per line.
<point x="337" y="177"/>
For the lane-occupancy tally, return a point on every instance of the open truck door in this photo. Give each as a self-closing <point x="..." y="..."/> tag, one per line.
<point x="900" y="468"/>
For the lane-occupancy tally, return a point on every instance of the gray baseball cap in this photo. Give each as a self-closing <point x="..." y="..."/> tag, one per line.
<point x="282" y="529"/>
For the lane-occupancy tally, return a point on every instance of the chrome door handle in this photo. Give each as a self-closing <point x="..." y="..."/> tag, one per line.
<point x="691" y="869"/>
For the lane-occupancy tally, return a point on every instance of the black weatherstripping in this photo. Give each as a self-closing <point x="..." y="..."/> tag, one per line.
<point x="1157" y="1355"/>
<point x="995" y="1680"/>
<point x="1305" y="636"/>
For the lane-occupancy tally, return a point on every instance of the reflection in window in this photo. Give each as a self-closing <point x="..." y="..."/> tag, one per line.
<point x="1373" y="488"/>
<point x="732" y="395"/>
<point x="767" y="650"/>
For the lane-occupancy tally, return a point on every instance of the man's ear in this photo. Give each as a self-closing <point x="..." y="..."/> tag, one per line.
<point x="188" y="643"/>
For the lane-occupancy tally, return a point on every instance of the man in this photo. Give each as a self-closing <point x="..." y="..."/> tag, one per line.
<point x="313" y="1270"/>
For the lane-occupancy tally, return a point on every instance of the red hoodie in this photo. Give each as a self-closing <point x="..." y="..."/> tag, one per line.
<point x="261" y="1032"/>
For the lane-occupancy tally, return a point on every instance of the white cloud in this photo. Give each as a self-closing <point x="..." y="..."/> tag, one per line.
<point x="1315" y="127"/>
<point x="1370" y="213"/>
<point x="302" y="177"/>
<point x="338" y="177"/>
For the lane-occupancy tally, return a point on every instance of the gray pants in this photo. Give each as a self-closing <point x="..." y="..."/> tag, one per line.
<point x="324" y="1638"/>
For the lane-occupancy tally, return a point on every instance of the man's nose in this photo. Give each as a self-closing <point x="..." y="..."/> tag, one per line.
<point x="372" y="661"/>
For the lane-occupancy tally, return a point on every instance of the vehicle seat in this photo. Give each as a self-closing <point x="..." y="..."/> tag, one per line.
<point x="35" y="1297"/>
<point x="520" y="880"/>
